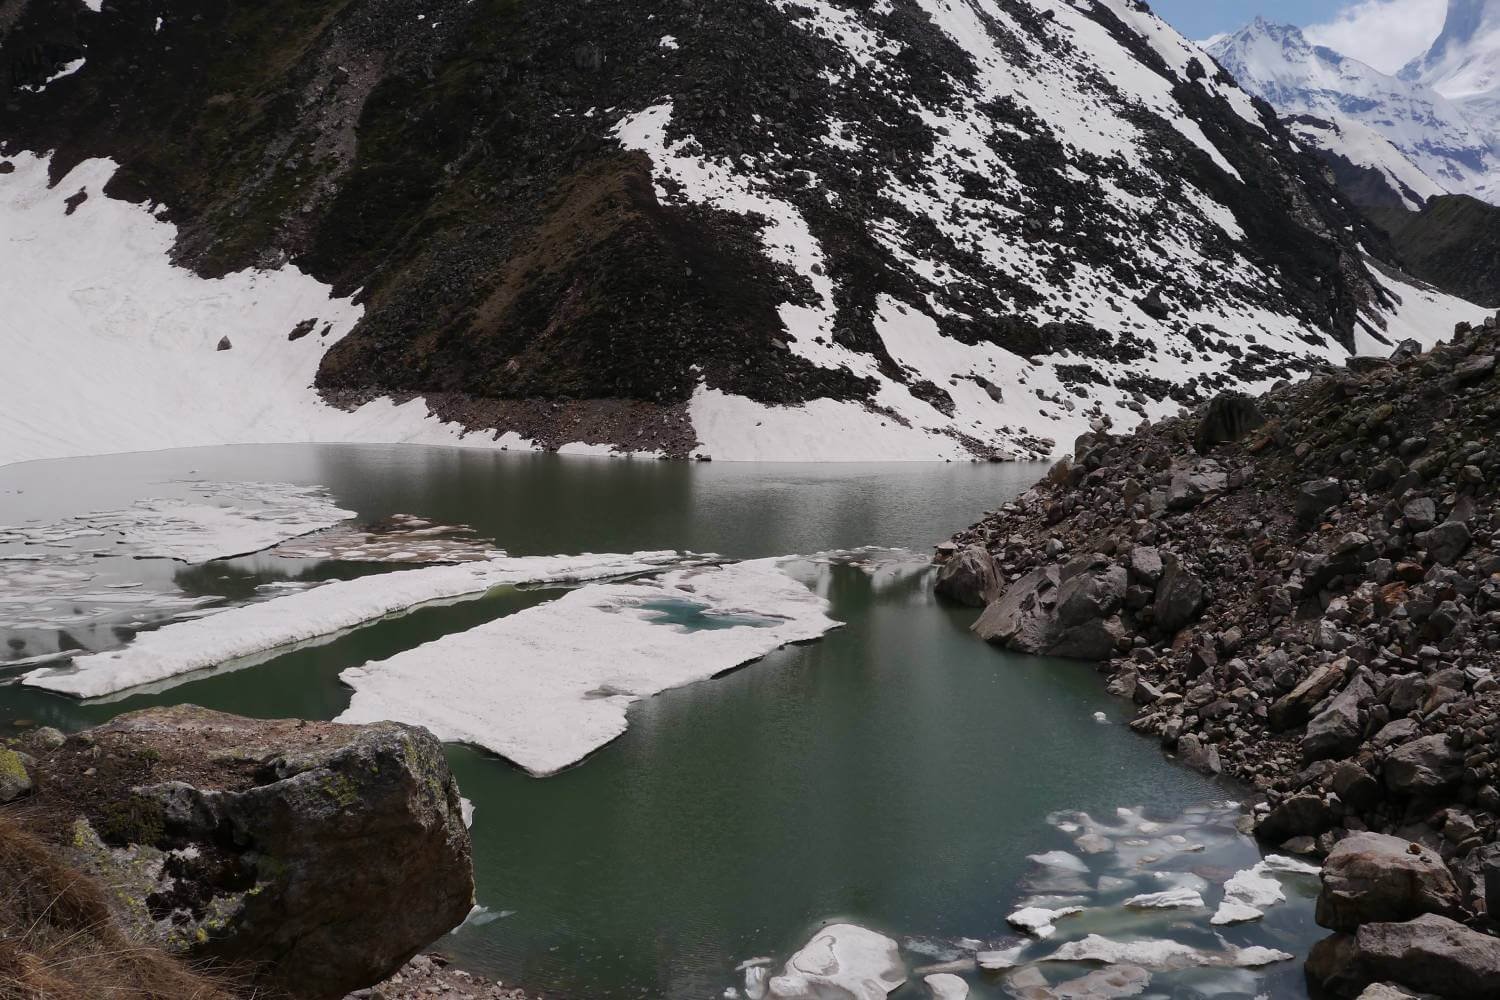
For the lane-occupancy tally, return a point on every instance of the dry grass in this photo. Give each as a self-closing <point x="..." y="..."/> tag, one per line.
<point x="59" y="941"/>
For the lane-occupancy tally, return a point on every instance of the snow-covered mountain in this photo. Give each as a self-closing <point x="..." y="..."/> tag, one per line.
<point x="1463" y="64"/>
<point x="1436" y="134"/>
<point x="797" y="229"/>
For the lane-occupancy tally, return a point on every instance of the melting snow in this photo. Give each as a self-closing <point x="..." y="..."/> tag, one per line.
<point x="549" y="685"/>
<point x="109" y="347"/>
<point x="175" y="650"/>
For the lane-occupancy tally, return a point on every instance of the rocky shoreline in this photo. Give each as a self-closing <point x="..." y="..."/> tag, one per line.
<point x="1301" y="592"/>
<point x="431" y="975"/>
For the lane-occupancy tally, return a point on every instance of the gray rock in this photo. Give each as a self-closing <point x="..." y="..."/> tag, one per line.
<point x="1146" y="564"/>
<point x="1335" y="732"/>
<point x="1179" y="598"/>
<point x="1431" y="954"/>
<point x="1476" y="369"/>
<point x="1423" y="766"/>
<point x="1372" y="878"/>
<point x="1446" y="542"/>
<point x="1420" y="513"/>
<point x="224" y="345"/>
<point x="1297" y="816"/>
<point x="1315" y="497"/>
<point x="1068" y="612"/>
<point x="1199" y="756"/>
<point x="1406" y="349"/>
<point x="970" y="577"/>
<point x="1022" y="617"/>
<point x="1190" y="487"/>
<point x="325" y="856"/>
<point x="1295" y="708"/>
<point x="1229" y="418"/>
<point x="47" y="738"/>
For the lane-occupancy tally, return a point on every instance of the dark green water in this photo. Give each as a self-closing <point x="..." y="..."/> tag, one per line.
<point x="895" y="773"/>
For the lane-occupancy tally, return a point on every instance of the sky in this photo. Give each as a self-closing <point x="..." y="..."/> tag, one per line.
<point x="1384" y="33"/>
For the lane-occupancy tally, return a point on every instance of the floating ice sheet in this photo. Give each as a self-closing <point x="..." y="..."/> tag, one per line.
<point x="180" y="649"/>
<point x="401" y="538"/>
<point x="549" y="685"/>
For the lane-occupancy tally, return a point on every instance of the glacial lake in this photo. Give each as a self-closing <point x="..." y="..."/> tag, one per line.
<point x="896" y="773"/>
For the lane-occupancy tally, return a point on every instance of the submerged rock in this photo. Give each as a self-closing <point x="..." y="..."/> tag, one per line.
<point x="841" y="962"/>
<point x="317" y="857"/>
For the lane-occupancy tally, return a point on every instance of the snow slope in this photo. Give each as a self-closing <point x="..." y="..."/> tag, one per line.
<point x="1364" y="146"/>
<point x="547" y="686"/>
<point x="1277" y="62"/>
<point x="180" y="649"/>
<point x="108" y="347"/>
<point x="1464" y="61"/>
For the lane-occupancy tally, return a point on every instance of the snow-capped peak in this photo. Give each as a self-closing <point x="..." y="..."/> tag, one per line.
<point x="1464" y="61"/>
<point x="1278" y="63"/>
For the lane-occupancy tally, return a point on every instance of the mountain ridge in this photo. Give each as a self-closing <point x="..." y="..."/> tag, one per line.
<point x="747" y="229"/>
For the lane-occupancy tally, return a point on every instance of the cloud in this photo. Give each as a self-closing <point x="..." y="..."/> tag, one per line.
<point x="1387" y="34"/>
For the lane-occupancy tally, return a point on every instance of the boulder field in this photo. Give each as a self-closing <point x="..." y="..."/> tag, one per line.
<point x="299" y="859"/>
<point x="1300" y="591"/>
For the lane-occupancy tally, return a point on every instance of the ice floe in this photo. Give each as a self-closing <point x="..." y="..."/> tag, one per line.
<point x="210" y="521"/>
<point x="1038" y="921"/>
<point x="1171" y="899"/>
<point x="549" y="685"/>
<point x="176" y="650"/>
<point x="1248" y="893"/>
<point x="1155" y="953"/>
<point x="400" y="538"/>
<point x="1061" y="860"/>
<point x="842" y="960"/>
<point x="219" y="520"/>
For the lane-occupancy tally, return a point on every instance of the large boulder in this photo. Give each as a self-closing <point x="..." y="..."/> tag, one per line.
<point x="310" y="858"/>
<point x="1295" y="707"/>
<point x="1179" y="598"/>
<point x="1315" y="497"/>
<point x="841" y="962"/>
<point x="1371" y="878"/>
<point x="970" y="577"/>
<point x="1424" y="766"/>
<point x="1335" y="732"/>
<point x="1304" y="815"/>
<point x="1431" y="954"/>
<point x="1068" y="611"/>
<point x="1230" y="417"/>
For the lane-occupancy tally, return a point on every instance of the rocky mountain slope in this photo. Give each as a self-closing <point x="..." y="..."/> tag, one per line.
<point x="1300" y="591"/>
<point x="756" y="228"/>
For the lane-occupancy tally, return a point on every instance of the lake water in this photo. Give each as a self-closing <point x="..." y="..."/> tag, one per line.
<point x="896" y="773"/>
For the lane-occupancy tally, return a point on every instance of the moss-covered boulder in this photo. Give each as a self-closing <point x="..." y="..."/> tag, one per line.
<point x="313" y="858"/>
<point x="15" y="781"/>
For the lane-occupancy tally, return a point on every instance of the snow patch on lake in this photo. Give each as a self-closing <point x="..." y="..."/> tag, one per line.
<point x="213" y="521"/>
<point x="547" y="686"/>
<point x="184" y="648"/>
